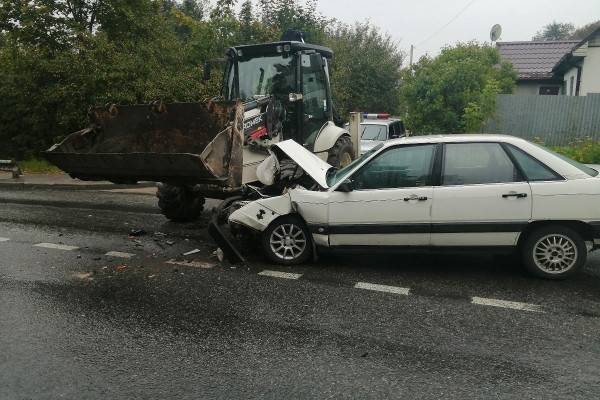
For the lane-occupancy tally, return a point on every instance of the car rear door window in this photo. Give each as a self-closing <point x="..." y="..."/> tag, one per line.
<point x="477" y="163"/>
<point x="398" y="167"/>
<point x="533" y="169"/>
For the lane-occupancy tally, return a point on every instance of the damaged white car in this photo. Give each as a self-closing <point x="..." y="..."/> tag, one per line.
<point x="473" y="192"/>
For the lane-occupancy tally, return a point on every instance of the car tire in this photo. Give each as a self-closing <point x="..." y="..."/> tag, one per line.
<point x="179" y="203"/>
<point x="287" y="241"/>
<point x="554" y="252"/>
<point x="342" y="152"/>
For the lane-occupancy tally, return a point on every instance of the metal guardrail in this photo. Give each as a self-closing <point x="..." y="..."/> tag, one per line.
<point x="11" y="166"/>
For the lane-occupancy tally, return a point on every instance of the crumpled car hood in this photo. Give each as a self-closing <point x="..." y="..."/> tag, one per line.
<point x="309" y="162"/>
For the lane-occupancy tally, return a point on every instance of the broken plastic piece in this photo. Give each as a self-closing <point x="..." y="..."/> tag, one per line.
<point x="228" y="249"/>
<point x="189" y="253"/>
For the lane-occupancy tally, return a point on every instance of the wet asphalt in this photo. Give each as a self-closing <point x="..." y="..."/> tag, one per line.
<point x="78" y="324"/>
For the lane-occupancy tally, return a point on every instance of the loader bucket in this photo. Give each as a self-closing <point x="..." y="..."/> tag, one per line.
<point x="179" y="143"/>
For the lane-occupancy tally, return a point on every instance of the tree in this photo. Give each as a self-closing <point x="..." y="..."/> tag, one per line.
<point x="292" y="14"/>
<point x="365" y="71"/>
<point x="49" y="80"/>
<point x="193" y="8"/>
<point x="455" y="91"/>
<point x="585" y="30"/>
<point x="555" y="31"/>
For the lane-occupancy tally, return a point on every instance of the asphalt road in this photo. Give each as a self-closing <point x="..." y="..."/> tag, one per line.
<point x="150" y="323"/>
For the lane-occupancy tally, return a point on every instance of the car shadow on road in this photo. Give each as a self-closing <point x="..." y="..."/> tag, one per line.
<point x="457" y="275"/>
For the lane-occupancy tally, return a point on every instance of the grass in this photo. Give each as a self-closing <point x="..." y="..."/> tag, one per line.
<point x="38" y="166"/>
<point x="587" y="152"/>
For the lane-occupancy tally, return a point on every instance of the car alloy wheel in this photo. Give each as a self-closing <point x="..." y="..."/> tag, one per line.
<point x="555" y="253"/>
<point x="288" y="241"/>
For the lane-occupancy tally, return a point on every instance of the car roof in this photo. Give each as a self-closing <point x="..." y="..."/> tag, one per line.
<point x="456" y="138"/>
<point x="553" y="161"/>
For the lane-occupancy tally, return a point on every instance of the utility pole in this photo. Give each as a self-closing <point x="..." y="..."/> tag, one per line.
<point x="411" y="55"/>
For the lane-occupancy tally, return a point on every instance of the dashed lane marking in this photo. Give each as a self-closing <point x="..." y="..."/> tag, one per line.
<point x="279" y="274"/>
<point x="3" y="239"/>
<point x="119" y="254"/>
<point x="515" y="305"/>
<point x="56" y="246"/>
<point x="382" y="288"/>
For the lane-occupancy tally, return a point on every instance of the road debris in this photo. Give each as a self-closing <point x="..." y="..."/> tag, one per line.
<point x="84" y="276"/>
<point x="194" y="263"/>
<point x="189" y="253"/>
<point x="219" y="254"/>
<point x="121" y="267"/>
<point x="137" y="232"/>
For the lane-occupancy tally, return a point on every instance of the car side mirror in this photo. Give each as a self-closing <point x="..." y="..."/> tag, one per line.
<point x="346" y="186"/>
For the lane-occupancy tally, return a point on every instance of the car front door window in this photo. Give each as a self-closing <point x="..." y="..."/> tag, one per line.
<point x="398" y="167"/>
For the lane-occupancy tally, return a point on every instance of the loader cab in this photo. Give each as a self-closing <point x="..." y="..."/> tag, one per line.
<point x="295" y="73"/>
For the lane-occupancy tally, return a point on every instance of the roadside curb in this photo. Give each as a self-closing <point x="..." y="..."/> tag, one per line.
<point x="63" y="186"/>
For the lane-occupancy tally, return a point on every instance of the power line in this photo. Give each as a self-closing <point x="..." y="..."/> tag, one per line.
<point x="462" y="10"/>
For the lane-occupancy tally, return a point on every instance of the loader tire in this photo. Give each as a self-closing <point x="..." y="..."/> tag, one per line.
<point x="342" y="152"/>
<point x="179" y="203"/>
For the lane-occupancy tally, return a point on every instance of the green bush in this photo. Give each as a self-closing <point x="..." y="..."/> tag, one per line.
<point x="587" y="152"/>
<point x="455" y="91"/>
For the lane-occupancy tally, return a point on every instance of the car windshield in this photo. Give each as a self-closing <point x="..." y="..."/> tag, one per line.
<point x="267" y="75"/>
<point x="335" y="175"/>
<point x="372" y="132"/>
<point x="583" y="168"/>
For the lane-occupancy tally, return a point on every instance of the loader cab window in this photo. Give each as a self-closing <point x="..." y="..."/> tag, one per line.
<point x="315" y="100"/>
<point x="263" y="76"/>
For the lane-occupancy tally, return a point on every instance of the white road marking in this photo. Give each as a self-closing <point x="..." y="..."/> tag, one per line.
<point x="515" y="305"/>
<point x="56" y="246"/>
<point x="196" y="264"/>
<point x="119" y="254"/>
<point x="4" y="239"/>
<point x="382" y="288"/>
<point x="279" y="274"/>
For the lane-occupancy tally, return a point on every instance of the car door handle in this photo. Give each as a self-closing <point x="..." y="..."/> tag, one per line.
<point x="415" y="197"/>
<point x="517" y="195"/>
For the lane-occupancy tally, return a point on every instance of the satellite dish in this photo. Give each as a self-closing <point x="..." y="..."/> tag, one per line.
<point x="495" y="32"/>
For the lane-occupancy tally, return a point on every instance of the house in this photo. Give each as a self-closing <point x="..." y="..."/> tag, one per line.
<point x="580" y="67"/>
<point x="534" y="62"/>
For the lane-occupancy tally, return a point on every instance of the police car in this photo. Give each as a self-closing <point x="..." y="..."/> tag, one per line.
<point x="377" y="128"/>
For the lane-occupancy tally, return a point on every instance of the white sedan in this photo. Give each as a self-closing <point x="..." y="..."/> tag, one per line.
<point x="474" y="192"/>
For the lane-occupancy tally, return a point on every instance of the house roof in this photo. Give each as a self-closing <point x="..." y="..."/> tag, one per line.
<point x="569" y="55"/>
<point x="535" y="59"/>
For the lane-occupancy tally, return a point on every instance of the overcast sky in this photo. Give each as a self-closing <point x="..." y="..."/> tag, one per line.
<point x="421" y="22"/>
